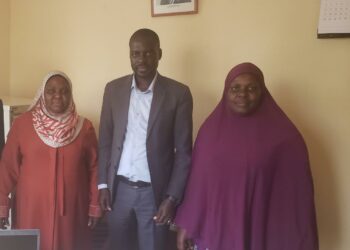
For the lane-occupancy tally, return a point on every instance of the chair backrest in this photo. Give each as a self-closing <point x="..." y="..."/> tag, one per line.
<point x="28" y="239"/>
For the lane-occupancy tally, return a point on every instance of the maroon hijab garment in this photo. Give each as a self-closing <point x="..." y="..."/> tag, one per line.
<point x="250" y="186"/>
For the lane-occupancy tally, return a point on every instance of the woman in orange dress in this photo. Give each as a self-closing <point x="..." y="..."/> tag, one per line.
<point x="50" y="159"/>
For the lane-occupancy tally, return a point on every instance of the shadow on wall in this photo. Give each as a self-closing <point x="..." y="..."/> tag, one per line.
<point x="2" y="136"/>
<point x="204" y="99"/>
<point x="326" y="196"/>
<point x="325" y="184"/>
<point x="204" y="103"/>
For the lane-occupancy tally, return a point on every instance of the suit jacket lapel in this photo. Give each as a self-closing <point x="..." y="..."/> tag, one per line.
<point x="158" y="98"/>
<point x="123" y="102"/>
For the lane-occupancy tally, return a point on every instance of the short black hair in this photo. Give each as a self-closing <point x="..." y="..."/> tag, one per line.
<point x="145" y="33"/>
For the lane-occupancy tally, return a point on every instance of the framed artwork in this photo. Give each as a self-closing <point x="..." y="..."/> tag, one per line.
<point x="173" y="7"/>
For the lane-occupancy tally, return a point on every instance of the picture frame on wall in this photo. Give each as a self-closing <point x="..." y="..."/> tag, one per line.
<point x="173" y="7"/>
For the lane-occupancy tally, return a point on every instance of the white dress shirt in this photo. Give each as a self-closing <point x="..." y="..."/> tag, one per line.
<point x="133" y="162"/>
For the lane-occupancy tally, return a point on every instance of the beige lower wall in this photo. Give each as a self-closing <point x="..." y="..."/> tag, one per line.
<point x="308" y="77"/>
<point x="4" y="47"/>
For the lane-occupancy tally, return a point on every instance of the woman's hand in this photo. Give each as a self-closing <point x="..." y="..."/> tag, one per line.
<point x="93" y="222"/>
<point x="4" y="222"/>
<point x="183" y="242"/>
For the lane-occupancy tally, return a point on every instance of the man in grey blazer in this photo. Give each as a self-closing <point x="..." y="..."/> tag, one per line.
<point x="145" y="149"/>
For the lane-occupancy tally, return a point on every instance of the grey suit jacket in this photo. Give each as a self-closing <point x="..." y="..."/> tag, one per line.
<point x="169" y="135"/>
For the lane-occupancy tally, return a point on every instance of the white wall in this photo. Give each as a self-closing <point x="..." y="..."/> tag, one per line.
<point x="4" y="46"/>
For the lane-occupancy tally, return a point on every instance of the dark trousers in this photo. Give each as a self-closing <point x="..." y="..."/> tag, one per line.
<point x="130" y="223"/>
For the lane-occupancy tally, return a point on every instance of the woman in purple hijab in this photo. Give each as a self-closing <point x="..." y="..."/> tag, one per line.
<point x="250" y="186"/>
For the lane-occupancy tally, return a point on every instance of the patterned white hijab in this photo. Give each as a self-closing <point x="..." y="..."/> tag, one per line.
<point x="55" y="130"/>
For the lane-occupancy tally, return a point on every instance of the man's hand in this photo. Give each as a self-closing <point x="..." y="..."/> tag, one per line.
<point x="4" y="222"/>
<point x="183" y="242"/>
<point x="93" y="222"/>
<point x="165" y="212"/>
<point x="105" y="199"/>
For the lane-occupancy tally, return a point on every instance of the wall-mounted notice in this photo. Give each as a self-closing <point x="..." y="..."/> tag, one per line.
<point x="334" y="19"/>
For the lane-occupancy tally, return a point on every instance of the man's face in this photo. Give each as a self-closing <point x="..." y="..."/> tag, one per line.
<point x="144" y="57"/>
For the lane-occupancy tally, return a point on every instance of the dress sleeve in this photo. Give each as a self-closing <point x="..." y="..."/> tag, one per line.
<point x="91" y="161"/>
<point x="9" y="168"/>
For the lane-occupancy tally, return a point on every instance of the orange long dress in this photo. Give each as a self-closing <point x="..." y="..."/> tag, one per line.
<point x="56" y="188"/>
